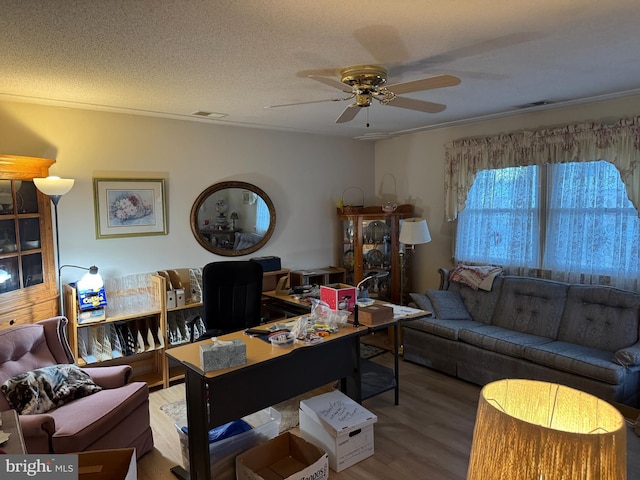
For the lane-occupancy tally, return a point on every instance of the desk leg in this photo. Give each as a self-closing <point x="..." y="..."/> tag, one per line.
<point x="352" y="385"/>
<point x="198" y="423"/>
<point x="396" y="371"/>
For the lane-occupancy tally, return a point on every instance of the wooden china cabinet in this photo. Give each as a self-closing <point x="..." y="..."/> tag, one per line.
<point x="370" y="246"/>
<point x="28" y="289"/>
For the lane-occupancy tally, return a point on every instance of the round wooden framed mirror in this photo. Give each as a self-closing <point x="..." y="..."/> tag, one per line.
<point x="233" y="218"/>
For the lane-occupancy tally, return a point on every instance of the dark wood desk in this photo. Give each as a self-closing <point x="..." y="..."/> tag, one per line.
<point x="271" y="375"/>
<point x="11" y="424"/>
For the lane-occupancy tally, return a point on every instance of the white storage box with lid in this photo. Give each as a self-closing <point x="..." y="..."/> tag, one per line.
<point x="340" y="426"/>
<point x="222" y="454"/>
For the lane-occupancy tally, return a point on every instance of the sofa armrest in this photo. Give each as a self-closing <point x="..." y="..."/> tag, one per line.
<point x="628" y="356"/>
<point x="444" y="278"/>
<point x="37" y="431"/>
<point x="110" y="377"/>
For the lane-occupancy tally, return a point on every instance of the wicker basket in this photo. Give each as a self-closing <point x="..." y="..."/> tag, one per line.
<point x="351" y="209"/>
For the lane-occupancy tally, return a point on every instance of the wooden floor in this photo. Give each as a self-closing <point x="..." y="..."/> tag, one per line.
<point x="426" y="437"/>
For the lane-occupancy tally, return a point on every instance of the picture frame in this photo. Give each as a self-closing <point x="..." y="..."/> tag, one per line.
<point x="129" y="207"/>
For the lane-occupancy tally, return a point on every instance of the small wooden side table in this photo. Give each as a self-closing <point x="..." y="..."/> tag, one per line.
<point x="11" y="424"/>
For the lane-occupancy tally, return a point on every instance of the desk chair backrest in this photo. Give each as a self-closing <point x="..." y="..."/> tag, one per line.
<point x="231" y="296"/>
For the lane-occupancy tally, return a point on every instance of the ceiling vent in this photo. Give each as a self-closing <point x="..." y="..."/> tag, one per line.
<point x="208" y="114"/>
<point x="539" y="103"/>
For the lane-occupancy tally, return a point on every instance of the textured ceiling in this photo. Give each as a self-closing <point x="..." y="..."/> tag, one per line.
<point x="176" y="57"/>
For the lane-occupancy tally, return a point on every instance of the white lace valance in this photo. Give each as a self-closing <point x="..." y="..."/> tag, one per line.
<point x="618" y="143"/>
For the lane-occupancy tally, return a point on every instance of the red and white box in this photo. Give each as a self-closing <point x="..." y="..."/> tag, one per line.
<point x="339" y="296"/>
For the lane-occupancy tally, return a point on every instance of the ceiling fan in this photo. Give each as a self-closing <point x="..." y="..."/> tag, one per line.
<point x="364" y="83"/>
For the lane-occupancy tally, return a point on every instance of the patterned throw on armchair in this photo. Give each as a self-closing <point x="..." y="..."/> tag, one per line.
<point x="63" y="408"/>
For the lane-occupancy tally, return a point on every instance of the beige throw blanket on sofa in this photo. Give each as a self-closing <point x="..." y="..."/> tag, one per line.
<point x="477" y="277"/>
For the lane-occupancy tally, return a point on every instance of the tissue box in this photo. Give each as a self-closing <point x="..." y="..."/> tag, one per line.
<point x="218" y="355"/>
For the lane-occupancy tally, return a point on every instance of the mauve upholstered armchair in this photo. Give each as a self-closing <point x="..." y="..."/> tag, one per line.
<point x="117" y="416"/>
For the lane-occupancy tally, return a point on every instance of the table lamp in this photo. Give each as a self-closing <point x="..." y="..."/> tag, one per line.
<point x="528" y="429"/>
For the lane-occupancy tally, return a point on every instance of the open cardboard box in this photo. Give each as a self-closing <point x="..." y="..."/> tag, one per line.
<point x="117" y="464"/>
<point x="285" y="457"/>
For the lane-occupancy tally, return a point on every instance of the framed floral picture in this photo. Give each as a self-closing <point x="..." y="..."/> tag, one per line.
<point x="128" y="207"/>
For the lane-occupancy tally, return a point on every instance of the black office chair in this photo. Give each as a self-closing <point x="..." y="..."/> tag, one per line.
<point x="231" y="298"/>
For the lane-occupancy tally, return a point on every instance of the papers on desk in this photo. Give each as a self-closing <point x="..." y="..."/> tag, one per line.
<point x="400" y="311"/>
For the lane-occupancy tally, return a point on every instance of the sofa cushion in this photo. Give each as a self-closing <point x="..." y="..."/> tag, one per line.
<point x="600" y="317"/>
<point x="579" y="360"/>
<point x="530" y="305"/>
<point x="449" y="329"/>
<point x="479" y="303"/>
<point x="447" y="305"/>
<point x="46" y="388"/>
<point x="501" y="340"/>
<point x="421" y="301"/>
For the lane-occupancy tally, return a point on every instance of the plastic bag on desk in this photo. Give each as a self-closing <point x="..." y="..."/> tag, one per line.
<point x="323" y="314"/>
<point x="320" y="310"/>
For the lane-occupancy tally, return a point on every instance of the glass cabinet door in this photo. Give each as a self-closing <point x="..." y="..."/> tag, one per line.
<point x="376" y="257"/>
<point x="21" y="264"/>
<point x="348" y="257"/>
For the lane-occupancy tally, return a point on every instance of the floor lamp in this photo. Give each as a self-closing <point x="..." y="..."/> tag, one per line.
<point x="414" y="231"/>
<point x="54" y="188"/>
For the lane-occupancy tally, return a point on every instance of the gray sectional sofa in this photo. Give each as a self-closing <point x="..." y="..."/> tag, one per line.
<point x="585" y="337"/>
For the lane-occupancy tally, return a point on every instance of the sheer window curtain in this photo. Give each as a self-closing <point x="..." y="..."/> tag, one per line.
<point x="262" y="217"/>
<point x="593" y="230"/>
<point x="608" y="248"/>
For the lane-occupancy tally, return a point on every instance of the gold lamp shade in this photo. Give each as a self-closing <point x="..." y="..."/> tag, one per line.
<point x="531" y="430"/>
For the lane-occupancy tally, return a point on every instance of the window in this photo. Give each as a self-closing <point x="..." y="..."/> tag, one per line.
<point x="574" y="220"/>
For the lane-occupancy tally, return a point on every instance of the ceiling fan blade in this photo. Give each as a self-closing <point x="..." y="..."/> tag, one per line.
<point x="312" y="101"/>
<point x="332" y="83"/>
<point x="349" y="113"/>
<point x="419" y="105"/>
<point x="430" y="83"/>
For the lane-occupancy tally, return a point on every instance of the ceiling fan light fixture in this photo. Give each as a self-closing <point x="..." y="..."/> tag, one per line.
<point x="364" y="78"/>
<point x="363" y="100"/>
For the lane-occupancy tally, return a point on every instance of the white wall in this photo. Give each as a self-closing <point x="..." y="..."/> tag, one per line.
<point x="417" y="163"/>
<point x="304" y="175"/>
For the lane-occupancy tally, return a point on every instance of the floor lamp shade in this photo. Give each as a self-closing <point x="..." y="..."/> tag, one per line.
<point x="534" y="430"/>
<point x="53" y="186"/>
<point x="414" y="231"/>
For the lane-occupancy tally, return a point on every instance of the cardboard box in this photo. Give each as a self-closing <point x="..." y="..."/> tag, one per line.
<point x="339" y="296"/>
<point x="223" y="453"/>
<point x="336" y="423"/>
<point x="118" y="464"/>
<point x="375" y="314"/>
<point x="286" y="457"/>
<point x="218" y="354"/>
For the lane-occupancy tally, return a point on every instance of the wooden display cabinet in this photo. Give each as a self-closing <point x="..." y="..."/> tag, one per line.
<point x="28" y="281"/>
<point x="370" y="245"/>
